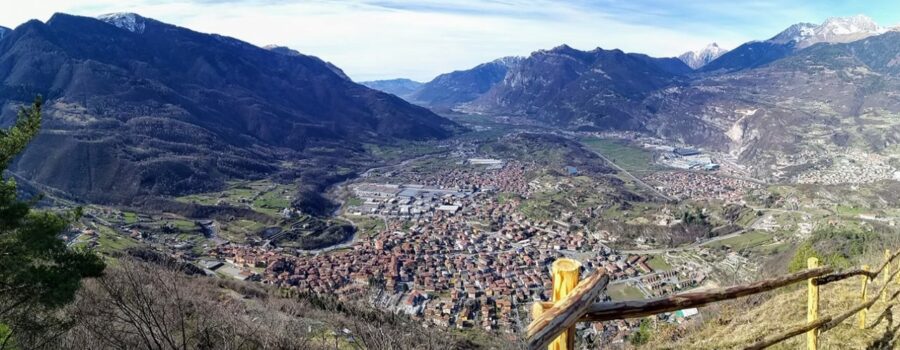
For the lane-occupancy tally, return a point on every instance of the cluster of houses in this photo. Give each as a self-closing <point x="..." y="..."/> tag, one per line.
<point x="852" y="167"/>
<point x="477" y="268"/>
<point x="696" y="185"/>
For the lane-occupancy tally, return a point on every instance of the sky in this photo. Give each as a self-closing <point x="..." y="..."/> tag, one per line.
<point x="419" y="39"/>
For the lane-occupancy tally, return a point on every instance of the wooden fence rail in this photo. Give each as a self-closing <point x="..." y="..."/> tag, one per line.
<point x="553" y="318"/>
<point x="823" y="324"/>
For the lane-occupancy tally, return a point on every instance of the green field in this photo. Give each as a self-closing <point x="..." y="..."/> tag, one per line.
<point x="271" y="202"/>
<point x="622" y="291"/>
<point x="746" y="240"/>
<point x="630" y="157"/>
<point x="110" y="241"/>
<point x="849" y="210"/>
<point x="772" y="249"/>
<point x="263" y="196"/>
<point x="239" y="230"/>
<point x="367" y="225"/>
<point x="130" y="217"/>
<point x="184" y="225"/>
<point x="657" y="263"/>
<point x="353" y="201"/>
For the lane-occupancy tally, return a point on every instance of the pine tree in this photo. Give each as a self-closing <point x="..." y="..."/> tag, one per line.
<point x="38" y="273"/>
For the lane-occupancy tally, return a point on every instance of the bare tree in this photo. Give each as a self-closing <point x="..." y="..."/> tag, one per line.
<point x="141" y="306"/>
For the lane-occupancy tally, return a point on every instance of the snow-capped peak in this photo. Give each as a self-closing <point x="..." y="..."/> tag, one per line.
<point x="126" y="20"/>
<point x="699" y="58"/>
<point x="795" y="33"/>
<point x="849" y="25"/>
<point x="833" y="30"/>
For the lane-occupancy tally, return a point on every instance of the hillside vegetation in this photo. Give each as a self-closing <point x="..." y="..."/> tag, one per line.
<point x="139" y="304"/>
<point x="742" y="323"/>
<point x="739" y="323"/>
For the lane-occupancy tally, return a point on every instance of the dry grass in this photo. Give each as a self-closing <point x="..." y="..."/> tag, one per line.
<point x="741" y="323"/>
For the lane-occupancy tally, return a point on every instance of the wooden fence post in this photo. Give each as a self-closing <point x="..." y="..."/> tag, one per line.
<point x="865" y="287"/>
<point x="812" y="306"/>
<point x="555" y="319"/>
<point x="566" y="273"/>
<point x="887" y="275"/>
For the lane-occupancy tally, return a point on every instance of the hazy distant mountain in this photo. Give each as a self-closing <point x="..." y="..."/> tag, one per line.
<point x="400" y="87"/>
<point x="3" y="31"/>
<point x="798" y="36"/>
<point x="451" y="89"/>
<point x="565" y="86"/>
<point x="139" y="107"/>
<point x="699" y="58"/>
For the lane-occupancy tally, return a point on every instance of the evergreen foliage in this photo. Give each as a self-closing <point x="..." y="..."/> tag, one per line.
<point x="38" y="272"/>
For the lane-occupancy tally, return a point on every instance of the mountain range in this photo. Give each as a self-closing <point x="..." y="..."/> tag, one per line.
<point x="798" y="36"/>
<point x="448" y="90"/>
<point x="795" y="113"/>
<point x="831" y="84"/>
<point x="833" y="30"/>
<point x="136" y="107"/>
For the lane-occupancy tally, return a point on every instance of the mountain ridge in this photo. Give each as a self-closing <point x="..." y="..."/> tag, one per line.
<point x="594" y="89"/>
<point x="796" y="37"/>
<point x="450" y="89"/>
<point x="165" y="110"/>
<point x="822" y="102"/>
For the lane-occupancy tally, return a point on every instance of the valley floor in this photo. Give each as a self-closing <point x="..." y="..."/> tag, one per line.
<point x="460" y="233"/>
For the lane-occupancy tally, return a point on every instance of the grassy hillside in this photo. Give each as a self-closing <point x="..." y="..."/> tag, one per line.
<point x="743" y="322"/>
<point x="738" y="323"/>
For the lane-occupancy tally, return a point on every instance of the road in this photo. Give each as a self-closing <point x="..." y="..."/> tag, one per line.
<point x="617" y="167"/>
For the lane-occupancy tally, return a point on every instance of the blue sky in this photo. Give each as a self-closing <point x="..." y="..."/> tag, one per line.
<point x="418" y="39"/>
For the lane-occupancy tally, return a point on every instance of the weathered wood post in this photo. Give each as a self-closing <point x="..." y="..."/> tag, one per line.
<point x="556" y="319"/>
<point x="865" y="287"/>
<point x="887" y="275"/>
<point x="537" y="310"/>
<point x="812" y="306"/>
<point x="566" y="273"/>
